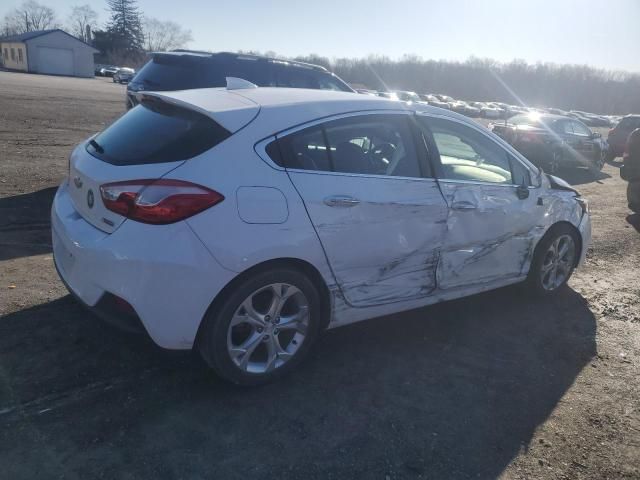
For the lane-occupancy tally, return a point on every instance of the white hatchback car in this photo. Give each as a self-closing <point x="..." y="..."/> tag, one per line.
<point x="244" y="221"/>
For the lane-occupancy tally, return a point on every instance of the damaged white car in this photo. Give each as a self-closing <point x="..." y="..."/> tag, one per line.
<point x="244" y="221"/>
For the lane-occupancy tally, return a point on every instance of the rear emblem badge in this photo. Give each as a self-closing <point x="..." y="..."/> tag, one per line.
<point x="77" y="181"/>
<point x="90" y="198"/>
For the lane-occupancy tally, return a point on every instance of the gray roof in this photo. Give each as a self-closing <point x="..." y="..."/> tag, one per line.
<point x="21" y="37"/>
<point x="24" y="37"/>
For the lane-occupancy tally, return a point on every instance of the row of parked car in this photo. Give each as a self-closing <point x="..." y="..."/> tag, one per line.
<point x="492" y="110"/>
<point x="118" y="74"/>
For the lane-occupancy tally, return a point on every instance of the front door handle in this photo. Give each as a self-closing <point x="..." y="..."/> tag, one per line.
<point x="341" y="201"/>
<point x="463" y="205"/>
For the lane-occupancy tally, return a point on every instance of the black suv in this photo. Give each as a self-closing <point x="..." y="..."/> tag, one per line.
<point x="185" y="69"/>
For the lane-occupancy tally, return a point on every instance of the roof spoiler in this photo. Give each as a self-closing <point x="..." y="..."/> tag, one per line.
<point x="234" y="83"/>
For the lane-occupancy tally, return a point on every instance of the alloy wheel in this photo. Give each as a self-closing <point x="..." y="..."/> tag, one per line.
<point x="268" y="328"/>
<point x="558" y="262"/>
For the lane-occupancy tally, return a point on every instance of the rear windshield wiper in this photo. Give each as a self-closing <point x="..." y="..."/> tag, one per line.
<point x="96" y="146"/>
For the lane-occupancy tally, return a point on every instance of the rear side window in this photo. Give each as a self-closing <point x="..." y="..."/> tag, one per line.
<point x="156" y="132"/>
<point x="299" y="77"/>
<point x="368" y="144"/>
<point x="254" y="70"/>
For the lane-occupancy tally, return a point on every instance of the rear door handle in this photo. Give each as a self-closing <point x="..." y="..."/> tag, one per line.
<point x="341" y="201"/>
<point x="463" y="205"/>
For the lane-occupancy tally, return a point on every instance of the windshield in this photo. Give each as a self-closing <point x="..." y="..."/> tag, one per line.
<point x="533" y="121"/>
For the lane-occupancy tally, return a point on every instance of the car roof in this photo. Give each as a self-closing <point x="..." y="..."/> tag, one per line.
<point x="242" y="56"/>
<point x="282" y="108"/>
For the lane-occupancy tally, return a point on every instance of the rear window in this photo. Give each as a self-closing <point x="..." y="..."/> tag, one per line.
<point x="629" y="123"/>
<point x="156" y="132"/>
<point x="174" y="72"/>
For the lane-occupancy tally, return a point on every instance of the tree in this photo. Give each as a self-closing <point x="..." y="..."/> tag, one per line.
<point x="161" y="36"/>
<point x="81" y="18"/>
<point x="28" y="17"/>
<point x="125" y="25"/>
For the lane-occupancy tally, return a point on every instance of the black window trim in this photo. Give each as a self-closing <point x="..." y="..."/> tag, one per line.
<point x="490" y="136"/>
<point x="422" y="151"/>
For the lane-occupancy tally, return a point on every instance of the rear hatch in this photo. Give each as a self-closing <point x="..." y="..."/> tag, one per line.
<point x="148" y="142"/>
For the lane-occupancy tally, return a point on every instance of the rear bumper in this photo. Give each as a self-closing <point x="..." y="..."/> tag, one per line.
<point x="163" y="271"/>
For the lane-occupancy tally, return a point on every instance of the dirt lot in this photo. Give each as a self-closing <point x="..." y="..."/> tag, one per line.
<point x="497" y="385"/>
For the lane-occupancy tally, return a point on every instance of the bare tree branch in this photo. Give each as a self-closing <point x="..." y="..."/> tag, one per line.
<point x="161" y="36"/>
<point x="29" y="17"/>
<point x="82" y="16"/>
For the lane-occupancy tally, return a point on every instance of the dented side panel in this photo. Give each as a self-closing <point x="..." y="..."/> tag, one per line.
<point x="490" y="233"/>
<point x="383" y="243"/>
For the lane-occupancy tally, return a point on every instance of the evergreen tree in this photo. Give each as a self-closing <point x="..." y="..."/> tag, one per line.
<point x="125" y="25"/>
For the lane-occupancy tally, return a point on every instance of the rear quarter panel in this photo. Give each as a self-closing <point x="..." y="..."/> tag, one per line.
<point x="275" y="226"/>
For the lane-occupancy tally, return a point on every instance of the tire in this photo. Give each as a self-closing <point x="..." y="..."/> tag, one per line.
<point x="540" y="279"/>
<point x="598" y="161"/>
<point x="273" y="345"/>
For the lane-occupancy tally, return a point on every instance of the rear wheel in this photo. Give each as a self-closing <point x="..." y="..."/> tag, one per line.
<point x="554" y="260"/>
<point x="263" y="329"/>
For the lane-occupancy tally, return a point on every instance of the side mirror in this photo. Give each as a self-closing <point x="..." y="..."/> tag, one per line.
<point x="522" y="191"/>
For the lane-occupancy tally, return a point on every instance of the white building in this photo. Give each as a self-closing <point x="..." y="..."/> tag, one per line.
<point x="53" y="52"/>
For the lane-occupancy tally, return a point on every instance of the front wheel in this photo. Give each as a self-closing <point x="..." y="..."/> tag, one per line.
<point x="263" y="329"/>
<point x="554" y="260"/>
<point x="598" y="161"/>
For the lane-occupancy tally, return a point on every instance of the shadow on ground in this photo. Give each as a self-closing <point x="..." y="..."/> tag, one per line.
<point x="580" y="176"/>
<point x="450" y="391"/>
<point x="634" y="220"/>
<point x="25" y="226"/>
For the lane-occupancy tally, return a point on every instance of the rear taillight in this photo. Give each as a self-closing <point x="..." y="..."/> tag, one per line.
<point x="158" y="201"/>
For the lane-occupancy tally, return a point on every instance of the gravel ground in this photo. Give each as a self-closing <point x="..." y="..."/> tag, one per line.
<point x="495" y="385"/>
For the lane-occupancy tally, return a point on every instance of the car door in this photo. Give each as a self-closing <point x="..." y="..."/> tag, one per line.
<point x="493" y="210"/>
<point x="369" y="193"/>
<point x="584" y="143"/>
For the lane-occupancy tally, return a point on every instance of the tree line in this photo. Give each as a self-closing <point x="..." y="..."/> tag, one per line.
<point x="123" y="40"/>
<point x="576" y="87"/>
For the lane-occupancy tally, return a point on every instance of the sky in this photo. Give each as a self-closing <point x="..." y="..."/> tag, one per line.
<point x="600" y="33"/>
